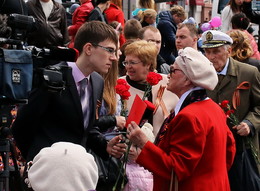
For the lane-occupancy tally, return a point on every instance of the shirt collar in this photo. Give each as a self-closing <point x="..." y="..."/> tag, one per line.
<point x="224" y="71"/>
<point x="183" y="97"/>
<point x="77" y="74"/>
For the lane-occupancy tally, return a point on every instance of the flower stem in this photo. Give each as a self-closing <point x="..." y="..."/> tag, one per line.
<point x="148" y="89"/>
<point x="122" y="170"/>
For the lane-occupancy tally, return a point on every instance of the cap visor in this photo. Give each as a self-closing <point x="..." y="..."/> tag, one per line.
<point x="211" y="45"/>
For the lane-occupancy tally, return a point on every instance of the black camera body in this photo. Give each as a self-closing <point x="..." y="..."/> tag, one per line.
<point x="21" y="25"/>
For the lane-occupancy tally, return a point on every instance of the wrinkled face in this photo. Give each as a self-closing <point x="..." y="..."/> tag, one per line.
<point x="176" y="80"/>
<point x="178" y="19"/>
<point x="102" y="56"/>
<point x="184" y="39"/>
<point x="135" y="68"/>
<point x="154" y="37"/>
<point x="218" y="56"/>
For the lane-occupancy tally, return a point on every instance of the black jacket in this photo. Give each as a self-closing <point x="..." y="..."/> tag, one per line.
<point x="51" y="32"/>
<point x="167" y="28"/>
<point x="52" y="117"/>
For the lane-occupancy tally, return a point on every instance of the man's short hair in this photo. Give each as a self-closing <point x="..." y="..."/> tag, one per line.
<point x="177" y="10"/>
<point x="132" y="28"/>
<point x="94" y="32"/>
<point x="142" y="31"/>
<point x="191" y="27"/>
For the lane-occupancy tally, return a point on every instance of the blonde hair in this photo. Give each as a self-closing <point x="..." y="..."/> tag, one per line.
<point x="146" y="14"/>
<point x="145" y="51"/>
<point x="177" y="10"/>
<point x="241" y="47"/>
<point x="109" y="94"/>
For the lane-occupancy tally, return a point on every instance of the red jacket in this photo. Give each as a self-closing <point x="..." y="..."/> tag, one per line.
<point x="79" y="17"/>
<point x="198" y="147"/>
<point x="114" y="13"/>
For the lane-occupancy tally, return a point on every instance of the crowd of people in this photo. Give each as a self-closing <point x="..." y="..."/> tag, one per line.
<point x="189" y="142"/>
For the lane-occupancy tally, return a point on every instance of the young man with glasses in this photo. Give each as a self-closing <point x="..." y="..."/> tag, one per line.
<point x="50" y="117"/>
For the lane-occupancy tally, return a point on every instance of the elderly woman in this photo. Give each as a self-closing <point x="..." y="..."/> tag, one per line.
<point x="194" y="148"/>
<point x="140" y="60"/>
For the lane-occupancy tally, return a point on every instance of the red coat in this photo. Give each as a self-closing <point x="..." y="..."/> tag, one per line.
<point x="198" y="147"/>
<point x="114" y="13"/>
<point x="79" y="17"/>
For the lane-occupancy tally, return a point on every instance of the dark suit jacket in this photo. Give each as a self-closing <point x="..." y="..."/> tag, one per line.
<point x="249" y="109"/>
<point x="52" y="117"/>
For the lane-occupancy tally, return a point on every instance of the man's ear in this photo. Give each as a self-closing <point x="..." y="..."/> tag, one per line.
<point x="87" y="48"/>
<point x="229" y="51"/>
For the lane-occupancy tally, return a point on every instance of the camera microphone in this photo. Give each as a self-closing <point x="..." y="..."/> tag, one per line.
<point x="63" y="54"/>
<point x="55" y="53"/>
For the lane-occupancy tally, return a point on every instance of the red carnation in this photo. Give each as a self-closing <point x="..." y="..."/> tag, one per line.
<point x="121" y="81"/>
<point x="122" y="89"/>
<point x="150" y="105"/>
<point x="224" y="104"/>
<point x="229" y="112"/>
<point x="153" y="78"/>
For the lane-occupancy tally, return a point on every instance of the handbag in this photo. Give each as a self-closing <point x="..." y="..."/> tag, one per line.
<point x="16" y="69"/>
<point x="109" y="170"/>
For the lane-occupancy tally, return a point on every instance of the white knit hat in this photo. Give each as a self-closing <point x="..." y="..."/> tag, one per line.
<point x="63" y="167"/>
<point x="197" y="68"/>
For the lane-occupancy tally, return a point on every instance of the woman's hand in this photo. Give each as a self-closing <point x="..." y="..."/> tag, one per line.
<point x="136" y="135"/>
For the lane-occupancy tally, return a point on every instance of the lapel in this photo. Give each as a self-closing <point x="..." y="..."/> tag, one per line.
<point x="96" y="93"/>
<point x="72" y="88"/>
<point x="226" y="88"/>
<point x="231" y="72"/>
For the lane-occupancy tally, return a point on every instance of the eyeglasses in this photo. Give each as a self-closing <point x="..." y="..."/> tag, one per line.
<point x="173" y="70"/>
<point x="108" y="49"/>
<point x="128" y="63"/>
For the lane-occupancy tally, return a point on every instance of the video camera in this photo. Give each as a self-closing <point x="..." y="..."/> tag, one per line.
<point x="21" y="24"/>
<point x="20" y="70"/>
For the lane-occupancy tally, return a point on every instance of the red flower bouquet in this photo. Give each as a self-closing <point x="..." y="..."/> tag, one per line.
<point x="151" y="79"/>
<point x="230" y="113"/>
<point x="122" y="89"/>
